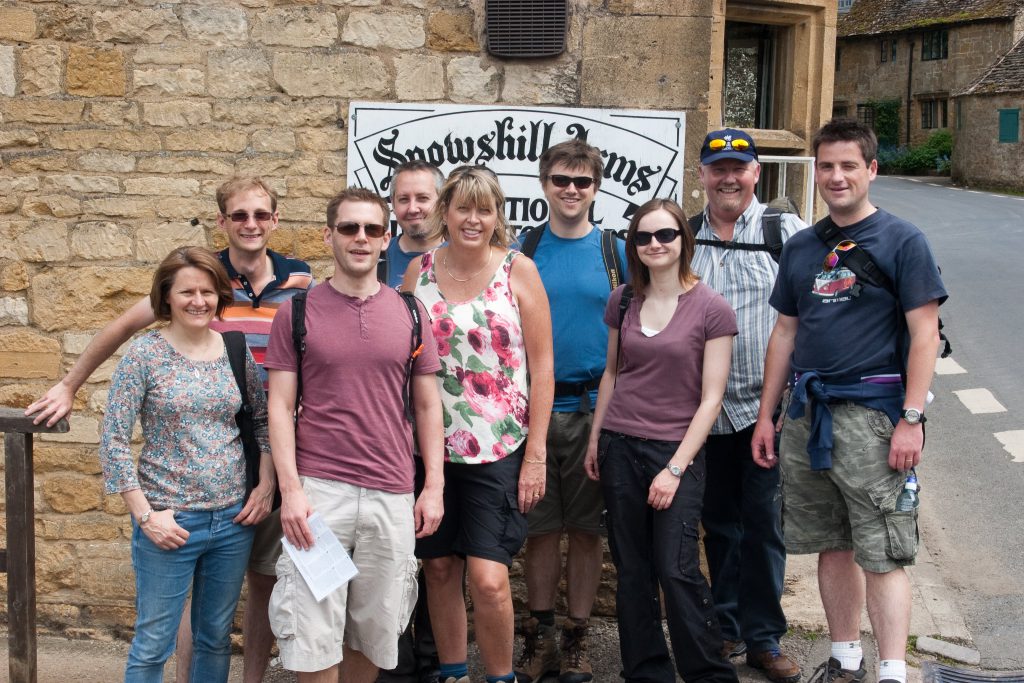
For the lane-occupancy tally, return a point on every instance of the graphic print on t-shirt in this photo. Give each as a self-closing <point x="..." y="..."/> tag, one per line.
<point x="832" y="284"/>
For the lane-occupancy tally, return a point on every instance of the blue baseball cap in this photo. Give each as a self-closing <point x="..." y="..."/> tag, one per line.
<point x="727" y="143"/>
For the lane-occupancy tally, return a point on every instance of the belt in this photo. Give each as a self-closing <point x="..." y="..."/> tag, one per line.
<point x="576" y="388"/>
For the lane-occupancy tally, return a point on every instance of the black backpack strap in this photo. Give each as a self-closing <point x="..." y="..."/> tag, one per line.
<point x="414" y="352"/>
<point x="299" y="342"/>
<point x="857" y="259"/>
<point x="382" y="267"/>
<point x="624" y="301"/>
<point x="696" y="222"/>
<point x="234" y="343"/>
<point x="612" y="261"/>
<point x="529" y="239"/>
<point x="771" y="231"/>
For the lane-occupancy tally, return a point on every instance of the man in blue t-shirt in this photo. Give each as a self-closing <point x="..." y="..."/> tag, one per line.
<point x="862" y="357"/>
<point x="414" y="188"/>
<point x="571" y="266"/>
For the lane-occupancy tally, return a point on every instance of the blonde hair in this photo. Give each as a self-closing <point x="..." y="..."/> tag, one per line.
<point x="475" y="185"/>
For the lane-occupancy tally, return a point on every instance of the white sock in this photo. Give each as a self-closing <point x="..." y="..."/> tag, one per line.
<point x="850" y="654"/>
<point x="893" y="670"/>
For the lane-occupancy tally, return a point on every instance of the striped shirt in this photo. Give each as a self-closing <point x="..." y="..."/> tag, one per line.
<point x="745" y="279"/>
<point x="253" y="314"/>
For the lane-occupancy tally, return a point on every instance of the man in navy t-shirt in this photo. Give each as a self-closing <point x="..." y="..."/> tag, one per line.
<point x="862" y="359"/>
<point x="414" y="188"/>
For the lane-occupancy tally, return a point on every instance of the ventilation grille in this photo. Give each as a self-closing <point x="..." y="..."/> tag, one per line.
<point x="526" y="28"/>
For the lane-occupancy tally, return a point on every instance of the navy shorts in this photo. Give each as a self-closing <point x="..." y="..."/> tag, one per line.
<point x="481" y="512"/>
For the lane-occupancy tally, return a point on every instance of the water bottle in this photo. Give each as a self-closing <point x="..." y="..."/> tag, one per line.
<point x="908" y="498"/>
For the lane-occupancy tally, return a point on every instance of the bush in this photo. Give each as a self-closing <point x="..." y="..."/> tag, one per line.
<point x="931" y="157"/>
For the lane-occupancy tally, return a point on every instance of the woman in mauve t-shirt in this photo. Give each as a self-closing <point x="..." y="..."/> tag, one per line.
<point x="660" y="394"/>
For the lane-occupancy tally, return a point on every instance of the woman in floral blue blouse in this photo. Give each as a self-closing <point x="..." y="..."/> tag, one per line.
<point x="192" y="529"/>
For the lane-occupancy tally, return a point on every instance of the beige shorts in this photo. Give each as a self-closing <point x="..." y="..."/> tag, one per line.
<point x="266" y="545"/>
<point x="371" y="611"/>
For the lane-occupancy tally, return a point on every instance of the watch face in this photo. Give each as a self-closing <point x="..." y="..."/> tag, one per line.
<point x="912" y="416"/>
<point x="675" y="470"/>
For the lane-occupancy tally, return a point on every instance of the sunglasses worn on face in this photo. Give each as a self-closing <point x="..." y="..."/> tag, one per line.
<point x="664" y="236"/>
<point x="243" y="217"/>
<point x="833" y="257"/>
<point x="581" y="182"/>
<point x="350" y="229"/>
<point x="739" y="144"/>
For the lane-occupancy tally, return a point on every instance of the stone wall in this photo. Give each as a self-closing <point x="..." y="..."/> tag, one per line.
<point x="979" y="159"/>
<point x="862" y="75"/>
<point x="119" y="119"/>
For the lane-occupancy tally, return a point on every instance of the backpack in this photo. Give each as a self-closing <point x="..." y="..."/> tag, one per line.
<point x="530" y="238"/>
<point x="234" y="342"/>
<point x="299" y="342"/>
<point x="863" y="266"/>
<point x="771" y="231"/>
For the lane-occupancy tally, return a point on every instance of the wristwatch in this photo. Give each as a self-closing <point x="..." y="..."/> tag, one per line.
<point x="913" y="416"/>
<point x="675" y="470"/>
<point x="144" y="517"/>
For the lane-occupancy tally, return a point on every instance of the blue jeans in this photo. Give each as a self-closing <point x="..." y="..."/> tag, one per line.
<point x="658" y="548"/>
<point x="212" y="563"/>
<point x="743" y="540"/>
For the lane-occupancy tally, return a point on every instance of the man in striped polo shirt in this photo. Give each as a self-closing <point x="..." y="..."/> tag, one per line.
<point x="742" y="502"/>
<point x="262" y="279"/>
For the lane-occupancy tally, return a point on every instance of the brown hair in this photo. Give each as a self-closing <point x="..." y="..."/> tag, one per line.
<point x="357" y="194"/>
<point x="238" y="184"/>
<point x="848" y="130"/>
<point x="479" y="186"/>
<point x="188" y="257"/>
<point x="639" y="274"/>
<point x="412" y="166"/>
<point x="573" y="153"/>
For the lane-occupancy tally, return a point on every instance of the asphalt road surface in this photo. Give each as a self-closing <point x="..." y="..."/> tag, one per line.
<point x="972" y="485"/>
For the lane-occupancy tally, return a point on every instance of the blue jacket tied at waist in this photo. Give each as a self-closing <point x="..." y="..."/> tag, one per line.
<point x="810" y="389"/>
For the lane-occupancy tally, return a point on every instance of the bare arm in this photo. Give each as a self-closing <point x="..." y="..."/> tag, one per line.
<point x="604" y="398"/>
<point x="160" y="528"/>
<point x="430" y="437"/>
<point x="540" y="358"/>
<point x="294" y="506"/>
<point x="776" y="373"/>
<point x="907" y="439"/>
<point x="714" y="373"/>
<point x="57" y="401"/>
<point x="412" y="273"/>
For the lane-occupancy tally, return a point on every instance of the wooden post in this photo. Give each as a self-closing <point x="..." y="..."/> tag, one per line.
<point x="20" y="555"/>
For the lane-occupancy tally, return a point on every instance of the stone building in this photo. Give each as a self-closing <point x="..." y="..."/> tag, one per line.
<point x="987" y="149"/>
<point x="918" y="54"/>
<point x="119" y="118"/>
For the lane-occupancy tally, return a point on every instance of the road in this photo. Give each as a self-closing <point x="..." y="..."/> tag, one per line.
<point x="972" y="487"/>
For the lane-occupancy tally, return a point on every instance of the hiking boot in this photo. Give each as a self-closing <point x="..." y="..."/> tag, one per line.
<point x="830" y="672"/>
<point x="779" y="668"/>
<point x="540" y="653"/>
<point x="575" y="667"/>
<point x="733" y="648"/>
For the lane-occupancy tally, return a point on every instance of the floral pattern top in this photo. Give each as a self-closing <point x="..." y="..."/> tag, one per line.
<point x="484" y="379"/>
<point x="192" y="455"/>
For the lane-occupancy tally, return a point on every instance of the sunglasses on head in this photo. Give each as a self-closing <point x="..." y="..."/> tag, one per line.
<point x="833" y="258"/>
<point x="740" y="145"/>
<point x="351" y="229"/>
<point x="581" y="182"/>
<point x="663" y="235"/>
<point x="243" y="217"/>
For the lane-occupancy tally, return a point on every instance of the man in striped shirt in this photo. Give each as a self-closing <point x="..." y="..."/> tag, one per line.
<point x="261" y="279"/>
<point x="742" y="502"/>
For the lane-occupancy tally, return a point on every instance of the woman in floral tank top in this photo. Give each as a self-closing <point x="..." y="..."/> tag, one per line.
<point x="491" y="321"/>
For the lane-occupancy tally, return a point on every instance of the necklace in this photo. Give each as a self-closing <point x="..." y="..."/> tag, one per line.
<point x="444" y="262"/>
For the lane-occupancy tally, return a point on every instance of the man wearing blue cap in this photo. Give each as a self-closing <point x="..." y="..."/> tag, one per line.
<point x="738" y="240"/>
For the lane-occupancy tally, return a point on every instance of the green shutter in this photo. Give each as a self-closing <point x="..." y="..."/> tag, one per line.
<point x="1009" y="125"/>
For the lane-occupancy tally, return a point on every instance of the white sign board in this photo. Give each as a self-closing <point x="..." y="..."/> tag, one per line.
<point x="642" y="150"/>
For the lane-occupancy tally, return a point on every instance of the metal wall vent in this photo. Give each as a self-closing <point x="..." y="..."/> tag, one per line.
<point x="526" y="28"/>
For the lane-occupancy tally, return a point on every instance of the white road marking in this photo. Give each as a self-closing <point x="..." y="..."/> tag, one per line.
<point x="1013" y="443"/>
<point x="948" y="366"/>
<point x="980" y="401"/>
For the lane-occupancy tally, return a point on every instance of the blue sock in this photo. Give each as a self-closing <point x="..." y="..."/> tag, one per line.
<point x="507" y="678"/>
<point x="455" y="670"/>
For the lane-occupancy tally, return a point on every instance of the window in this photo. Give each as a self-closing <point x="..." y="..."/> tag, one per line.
<point x="840" y="111"/>
<point x="845" y="5"/>
<point x="935" y="45"/>
<point x="893" y="51"/>
<point x="866" y="115"/>
<point x="884" y="51"/>
<point x="934" y="113"/>
<point x="1009" y="125"/>
<point x="751" y="74"/>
